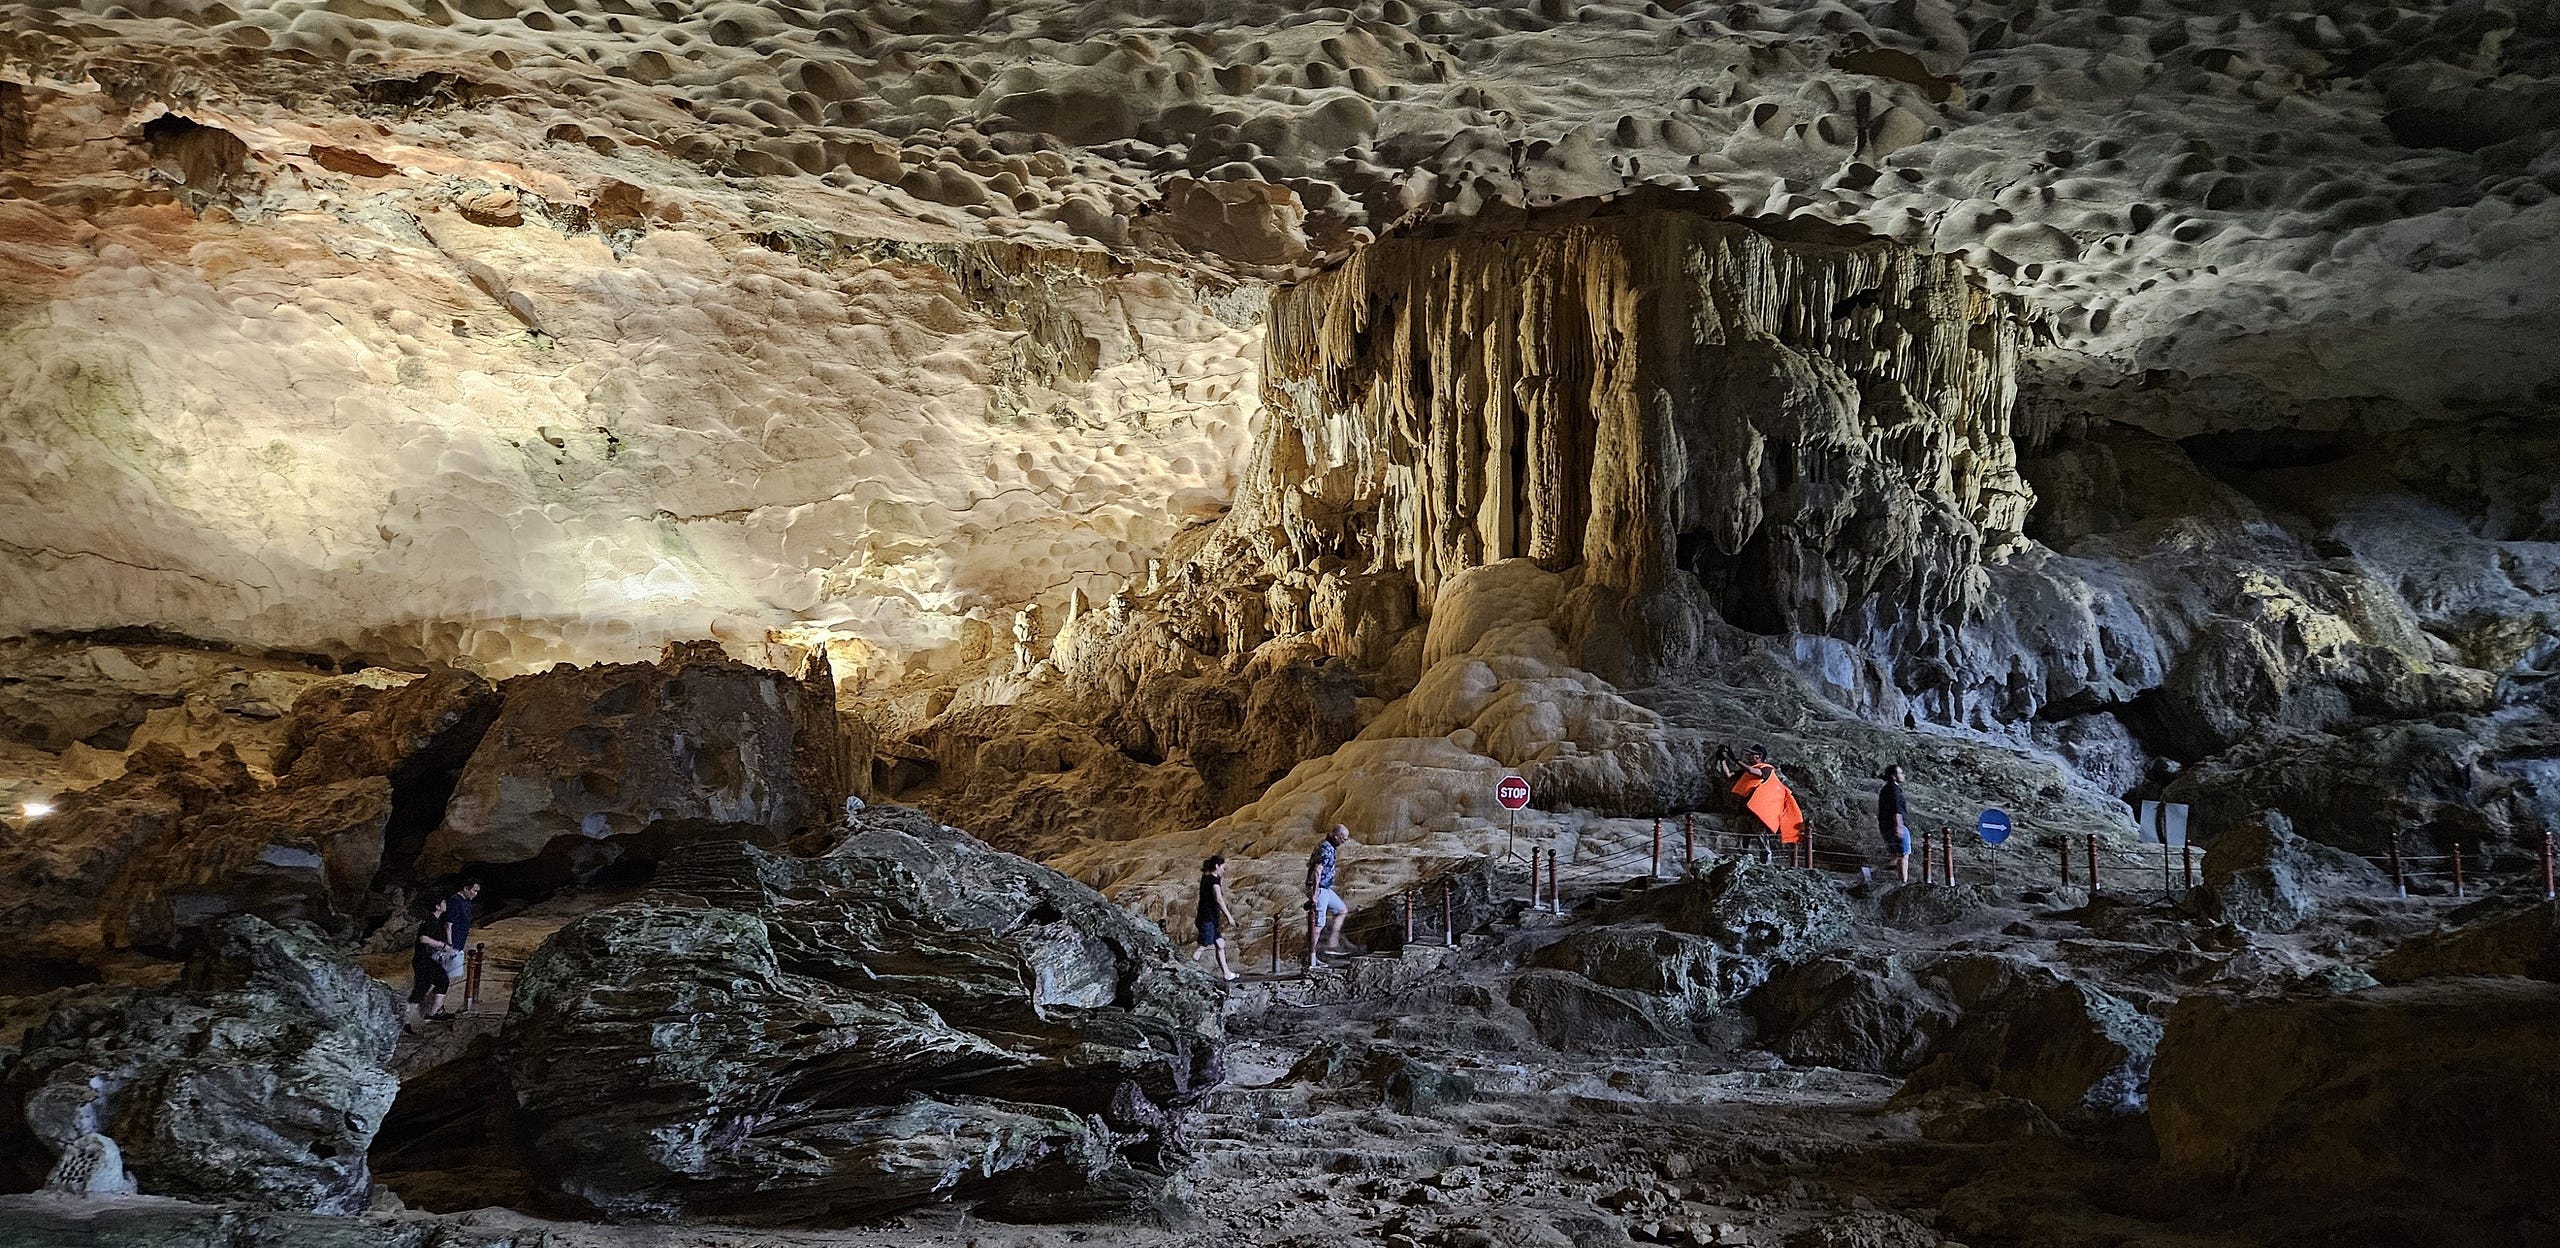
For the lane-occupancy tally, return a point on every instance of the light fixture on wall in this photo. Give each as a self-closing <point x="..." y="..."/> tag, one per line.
<point x="37" y="810"/>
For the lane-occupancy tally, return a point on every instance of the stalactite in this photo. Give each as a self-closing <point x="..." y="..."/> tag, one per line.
<point x="1819" y="431"/>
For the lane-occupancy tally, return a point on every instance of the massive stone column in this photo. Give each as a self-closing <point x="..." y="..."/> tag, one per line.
<point x="1812" y="431"/>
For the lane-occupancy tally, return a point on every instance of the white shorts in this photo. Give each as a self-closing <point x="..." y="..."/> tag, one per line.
<point x="1330" y="903"/>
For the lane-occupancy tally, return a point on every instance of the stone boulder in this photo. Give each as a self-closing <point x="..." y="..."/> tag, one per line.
<point x="407" y="731"/>
<point x="1757" y="916"/>
<point x="2264" y="877"/>
<point x="259" y="1078"/>
<point x="2507" y="940"/>
<point x="55" y="871"/>
<point x="1660" y="966"/>
<point x="587" y="767"/>
<point x="910" y="1017"/>
<point x="2080" y="1054"/>
<point x="2436" y="1090"/>
<point x="1865" y="1012"/>
<point x="305" y="855"/>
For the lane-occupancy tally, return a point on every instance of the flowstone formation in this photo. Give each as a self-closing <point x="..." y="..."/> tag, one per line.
<point x="1815" y="434"/>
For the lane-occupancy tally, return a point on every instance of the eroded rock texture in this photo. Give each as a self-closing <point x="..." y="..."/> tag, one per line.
<point x="909" y="1017"/>
<point x="587" y="767"/>
<point x="2435" y="1091"/>
<point x="259" y="1078"/>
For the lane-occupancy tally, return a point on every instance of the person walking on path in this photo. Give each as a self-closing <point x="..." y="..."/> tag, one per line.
<point x="1213" y="915"/>
<point x="1322" y="901"/>
<point x="428" y="978"/>
<point x="457" y="912"/>
<point x="1893" y="821"/>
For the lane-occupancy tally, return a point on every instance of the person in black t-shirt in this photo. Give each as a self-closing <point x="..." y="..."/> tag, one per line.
<point x="457" y="912"/>
<point x="427" y="978"/>
<point x="1213" y="916"/>
<point x="1892" y="814"/>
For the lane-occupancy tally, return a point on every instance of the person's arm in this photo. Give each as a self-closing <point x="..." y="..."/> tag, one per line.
<point x="1226" y="917"/>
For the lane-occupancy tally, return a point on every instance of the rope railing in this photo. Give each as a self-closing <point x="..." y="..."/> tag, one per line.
<point x="2088" y="862"/>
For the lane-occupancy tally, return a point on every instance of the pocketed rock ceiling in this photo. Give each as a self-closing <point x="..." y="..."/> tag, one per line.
<point x="528" y="332"/>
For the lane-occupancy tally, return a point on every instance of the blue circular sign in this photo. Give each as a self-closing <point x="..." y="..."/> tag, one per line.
<point x="1994" y="826"/>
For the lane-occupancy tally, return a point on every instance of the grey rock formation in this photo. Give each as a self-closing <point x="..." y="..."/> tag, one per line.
<point x="1659" y="967"/>
<point x="259" y="1078"/>
<point x="910" y="1017"/>
<point x="588" y="767"/>
<point x="91" y="1165"/>
<point x="2263" y="877"/>
<point x="2435" y="1091"/>
<point x="1867" y="1012"/>
<point x="1757" y="917"/>
<point x="2509" y="939"/>
<point x="2075" y="1051"/>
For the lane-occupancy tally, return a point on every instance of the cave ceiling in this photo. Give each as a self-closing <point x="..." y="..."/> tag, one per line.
<point x="521" y="332"/>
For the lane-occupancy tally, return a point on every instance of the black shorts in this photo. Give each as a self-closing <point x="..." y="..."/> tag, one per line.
<point x="1208" y="932"/>
<point x="426" y="978"/>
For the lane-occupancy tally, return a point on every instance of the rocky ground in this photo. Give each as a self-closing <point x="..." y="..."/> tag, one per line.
<point x="1749" y="1055"/>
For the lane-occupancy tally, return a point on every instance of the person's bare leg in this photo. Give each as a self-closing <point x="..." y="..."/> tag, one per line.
<point x="1333" y="932"/>
<point x="1224" y="970"/>
<point x="1903" y="865"/>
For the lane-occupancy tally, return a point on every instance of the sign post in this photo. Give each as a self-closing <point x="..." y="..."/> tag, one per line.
<point x="1513" y="793"/>
<point x="1993" y="827"/>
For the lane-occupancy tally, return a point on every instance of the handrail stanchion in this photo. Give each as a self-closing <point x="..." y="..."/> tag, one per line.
<point x="1947" y="846"/>
<point x="2457" y="871"/>
<point x="2187" y="850"/>
<point x="1689" y="843"/>
<point x="1449" y="913"/>
<point x="1928" y="858"/>
<point x="2549" y="893"/>
<point x="2093" y="864"/>
<point x="1654" y="872"/>
<point x="1408" y="916"/>
<point x="2066" y="862"/>
<point x="1310" y="971"/>
<point x="2399" y="873"/>
<point x="1555" y="891"/>
<point x="1278" y="921"/>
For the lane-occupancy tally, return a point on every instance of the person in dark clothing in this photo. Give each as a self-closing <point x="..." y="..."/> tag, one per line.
<point x="1892" y="821"/>
<point x="1213" y="916"/>
<point x="457" y="912"/>
<point x="428" y="979"/>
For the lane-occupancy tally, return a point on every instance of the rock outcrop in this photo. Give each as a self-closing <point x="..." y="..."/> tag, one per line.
<point x="909" y="1017"/>
<point x="2263" y="877"/>
<point x="2079" y="1053"/>
<point x="58" y="869"/>
<point x="1660" y="967"/>
<point x="259" y="1078"/>
<point x="585" y="768"/>
<point x="2434" y="1092"/>
<point x="2508" y="939"/>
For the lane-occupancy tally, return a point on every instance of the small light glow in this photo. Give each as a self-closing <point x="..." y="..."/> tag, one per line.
<point x="38" y="810"/>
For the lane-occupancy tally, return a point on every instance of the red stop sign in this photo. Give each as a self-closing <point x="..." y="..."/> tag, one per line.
<point x="1513" y="792"/>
